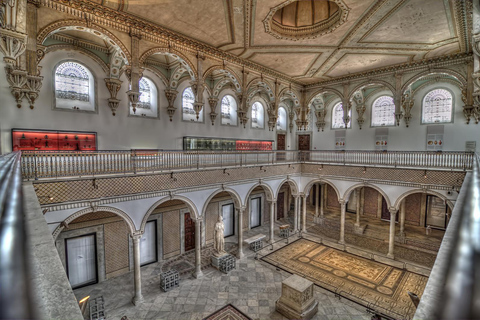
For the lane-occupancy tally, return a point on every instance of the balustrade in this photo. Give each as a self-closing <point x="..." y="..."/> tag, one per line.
<point x="51" y="164"/>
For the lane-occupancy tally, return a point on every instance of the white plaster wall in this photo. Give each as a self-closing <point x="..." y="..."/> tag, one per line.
<point x="118" y="132"/>
<point x="402" y="138"/>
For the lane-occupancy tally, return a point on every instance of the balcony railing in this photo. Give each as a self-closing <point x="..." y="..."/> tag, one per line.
<point x="48" y="164"/>
<point x="15" y="300"/>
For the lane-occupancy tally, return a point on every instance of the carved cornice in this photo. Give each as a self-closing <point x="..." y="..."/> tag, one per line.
<point x="433" y="63"/>
<point x="124" y="22"/>
<point x="80" y="42"/>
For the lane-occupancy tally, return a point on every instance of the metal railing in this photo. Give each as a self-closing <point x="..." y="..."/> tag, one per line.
<point x="15" y="299"/>
<point x="51" y="164"/>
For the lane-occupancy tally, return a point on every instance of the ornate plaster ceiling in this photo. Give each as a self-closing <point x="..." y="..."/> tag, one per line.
<point x="376" y="33"/>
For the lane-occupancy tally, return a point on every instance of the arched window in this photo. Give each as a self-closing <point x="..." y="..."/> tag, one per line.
<point x="257" y="116"/>
<point x="383" y="112"/>
<point x="437" y="106"/>
<point x="229" y="110"/>
<point x="188" y="112"/>
<point x="282" y="119"/>
<point x="74" y="87"/>
<point x="337" y="117"/>
<point x="148" y="100"/>
<point x="145" y="94"/>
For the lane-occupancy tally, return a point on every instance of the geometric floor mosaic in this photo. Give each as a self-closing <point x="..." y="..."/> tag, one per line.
<point x="370" y="283"/>
<point x="228" y="312"/>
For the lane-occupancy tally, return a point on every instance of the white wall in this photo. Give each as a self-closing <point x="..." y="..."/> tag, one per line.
<point x="402" y="138"/>
<point x="118" y="132"/>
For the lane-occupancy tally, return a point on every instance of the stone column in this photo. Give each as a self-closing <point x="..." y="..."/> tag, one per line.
<point x="357" y="197"/>
<point x="342" y="221"/>
<point x="391" y="240"/>
<point x="198" y="249"/>
<point x="138" y="298"/>
<point x="402" y="218"/>
<point x="240" y="232"/>
<point x="322" y="197"/>
<point x="304" y="214"/>
<point x="272" y="220"/>
<point x="362" y="200"/>
<point x="295" y="213"/>
<point x="317" y="195"/>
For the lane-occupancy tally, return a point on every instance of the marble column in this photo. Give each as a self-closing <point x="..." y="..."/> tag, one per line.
<point x="295" y="214"/>
<point x="272" y="220"/>
<point x="304" y="214"/>
<point x="322" y="197"/>
<point x="342" y="221"/>
<point x="240" y="232"/>
<point x="317" y="195"/>
<point x="402" y="218"/>
<point x="362" y="200"/>
<point x="357" y="197"/>
<point x="391" y="240"/>
<point x="198" y="249"/>
<point x="137" y="279"/>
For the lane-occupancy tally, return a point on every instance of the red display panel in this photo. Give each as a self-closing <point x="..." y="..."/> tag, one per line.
<point x="253" y="145"/>
<point x="26" y="140"/>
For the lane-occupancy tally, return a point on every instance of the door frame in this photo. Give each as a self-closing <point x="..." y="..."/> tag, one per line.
<point x="426" y="213"/>
<point x="223" y="203"/>
<point x="156" y="242"/>
<point x="183" y="238"/>
<point x="94" y="234"/>
<point x="301" y="133"/>
<point x="260" y="198"/>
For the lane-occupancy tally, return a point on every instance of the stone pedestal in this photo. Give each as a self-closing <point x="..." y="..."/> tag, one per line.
<point x="359" y="229"/>
<point x="319" y="220"/>
<point x="217" y="258"/>
<point x="297" y="300"/>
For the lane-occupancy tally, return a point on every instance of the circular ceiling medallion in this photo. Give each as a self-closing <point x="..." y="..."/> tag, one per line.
<point x="305" y="19"/>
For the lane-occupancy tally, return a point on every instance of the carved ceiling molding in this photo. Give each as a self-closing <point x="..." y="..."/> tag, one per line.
<point x="81" y="49"/>
<point x="463" y="14"/>
<point x="308" y="32"/>
<point x="443" y="61"/>
<point x="79" y="42"/>
<point x="94" y="13"/>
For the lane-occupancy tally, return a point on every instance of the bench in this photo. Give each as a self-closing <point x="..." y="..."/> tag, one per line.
<point x="255" y="242"/>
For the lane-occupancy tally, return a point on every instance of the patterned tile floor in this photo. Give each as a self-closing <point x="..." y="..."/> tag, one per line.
<point x="253" y="288"/>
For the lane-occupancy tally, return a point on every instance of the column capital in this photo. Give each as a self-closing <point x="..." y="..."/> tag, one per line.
<point x="342" y="202"/>
<point x="137" y="235"/>
<point x="393" y="210"/>
<point x="242" y="208"/>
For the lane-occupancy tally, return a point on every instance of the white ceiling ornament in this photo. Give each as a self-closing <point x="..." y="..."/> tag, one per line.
<point x="297" y="19"/>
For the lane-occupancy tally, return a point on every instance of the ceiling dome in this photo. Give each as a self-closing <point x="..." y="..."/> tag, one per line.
<point x="304" y="13"/>
<point x="305" y="19"/>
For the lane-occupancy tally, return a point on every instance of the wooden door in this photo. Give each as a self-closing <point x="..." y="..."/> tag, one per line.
<point x="304" y="144"/>
<point x="280" y="146"/>
<point x="280" y="205"/>
<point x="189" y="232"/>
<point x="280" y="142"/>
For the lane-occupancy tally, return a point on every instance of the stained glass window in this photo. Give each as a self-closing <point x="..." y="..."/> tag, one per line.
<point x="383" y="112"/>
<point x="226" y="107"/>
<point x="337" y="117"/>
<point x="437" y="106"/>
<point x="282" y="119"/>
<point x="72" y="82"/>
<point x="257" y="115"/>
<point x="145" y="97"/>
<point x="187" y="101"/>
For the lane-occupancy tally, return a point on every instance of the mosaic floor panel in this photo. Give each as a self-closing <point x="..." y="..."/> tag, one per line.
<point x="229" y="312"/>
<point x="370" y="283"/>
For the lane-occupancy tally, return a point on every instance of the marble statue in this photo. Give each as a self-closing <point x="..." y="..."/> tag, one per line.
<point x="219" y="241"/>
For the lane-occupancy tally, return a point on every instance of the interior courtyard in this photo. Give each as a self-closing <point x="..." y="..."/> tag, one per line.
<point x="239" y="159"/>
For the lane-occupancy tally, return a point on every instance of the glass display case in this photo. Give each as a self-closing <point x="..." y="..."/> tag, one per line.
<point x="43" y="140"/>
<point x="224" y="144"/>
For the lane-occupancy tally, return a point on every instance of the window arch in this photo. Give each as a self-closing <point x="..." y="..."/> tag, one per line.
<point x="188" y="112"/>
<point x="229" y="110"/>
<point x="282" y="119"/>
<point x="148" y="101"/>
<point x="437" y="106"/>
<point x="383" y="112"/>
<point x="258" y="116"/>
<point x="74" y="87"/>
<point x="337" y="117"/>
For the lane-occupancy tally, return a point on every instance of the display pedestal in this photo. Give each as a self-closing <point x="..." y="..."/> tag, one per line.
<point x="319" y="220"/>
<point x="297" y="300"/>
<point x="224" y="263"/>
<point x="217" y="258"/>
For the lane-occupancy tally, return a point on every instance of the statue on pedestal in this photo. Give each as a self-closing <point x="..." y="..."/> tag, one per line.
<point x="219" y="241"/>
